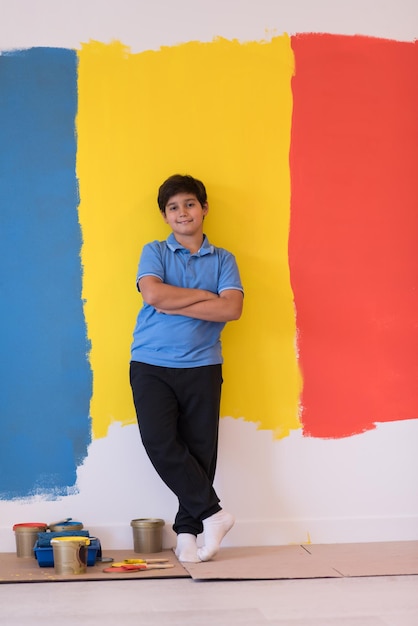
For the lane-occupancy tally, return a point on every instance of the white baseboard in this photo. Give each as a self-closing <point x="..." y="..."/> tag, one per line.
<point x="316" y="531"/>
<point x="266" y="532"/>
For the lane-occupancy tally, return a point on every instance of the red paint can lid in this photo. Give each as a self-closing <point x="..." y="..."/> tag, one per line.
<point x="30" y="525"/>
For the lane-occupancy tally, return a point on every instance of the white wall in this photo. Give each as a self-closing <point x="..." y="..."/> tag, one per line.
<point x="362" y="488"/>
<point x="146" y="24"/>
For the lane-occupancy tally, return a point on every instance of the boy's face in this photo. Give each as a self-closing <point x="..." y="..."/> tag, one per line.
<point x="184" y="214"/>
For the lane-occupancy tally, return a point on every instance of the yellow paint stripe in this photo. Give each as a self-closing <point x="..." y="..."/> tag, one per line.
<point x="220" y="111"/>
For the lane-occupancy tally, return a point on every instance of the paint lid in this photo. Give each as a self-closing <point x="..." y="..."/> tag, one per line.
<point x="85" y="540"/>
<point x="65" y="526"/>
<point x="29" y="525"/>
<point x="147" y="522"/>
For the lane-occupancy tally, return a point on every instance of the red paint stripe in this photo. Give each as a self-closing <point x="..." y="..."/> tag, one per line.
<point x="353" y="247"/>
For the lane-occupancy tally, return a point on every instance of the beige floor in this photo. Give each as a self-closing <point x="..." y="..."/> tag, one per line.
<point x="371" y="601"/>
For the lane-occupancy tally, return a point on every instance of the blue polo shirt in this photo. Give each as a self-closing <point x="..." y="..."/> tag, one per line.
<point x="177" y="340"/>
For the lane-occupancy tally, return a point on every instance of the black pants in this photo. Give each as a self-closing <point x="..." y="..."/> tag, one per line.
<point x="178" y="417"/>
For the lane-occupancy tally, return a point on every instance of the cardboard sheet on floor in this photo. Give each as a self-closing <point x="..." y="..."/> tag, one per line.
<point x="15" y="570"/>
<point x="246" y="563"/>
<point x="397" y="558"/>
<point x="262" y="563"/>
<point x="310" y="561"/>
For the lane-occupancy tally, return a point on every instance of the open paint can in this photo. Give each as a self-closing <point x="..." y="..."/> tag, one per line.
<point x="70" y="554"/>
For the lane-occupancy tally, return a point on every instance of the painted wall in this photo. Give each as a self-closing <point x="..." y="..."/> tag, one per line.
<point x="304" y="129"/>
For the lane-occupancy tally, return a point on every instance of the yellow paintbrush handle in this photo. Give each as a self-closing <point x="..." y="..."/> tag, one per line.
<point x="139" y="562"/>
<point x="133" y="561"/>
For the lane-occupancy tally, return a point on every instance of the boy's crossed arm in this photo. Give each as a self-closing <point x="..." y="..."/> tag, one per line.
<point x="197" y="303"/>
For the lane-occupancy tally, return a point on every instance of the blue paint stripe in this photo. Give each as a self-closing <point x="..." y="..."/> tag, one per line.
<point x="45" y="376"/>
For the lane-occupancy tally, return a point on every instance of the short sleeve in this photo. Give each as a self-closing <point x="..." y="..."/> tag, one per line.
<point x="151" y="262"/>
<point x="229" y="275"/>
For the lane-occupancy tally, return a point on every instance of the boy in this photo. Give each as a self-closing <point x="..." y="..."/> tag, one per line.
<point x="190" y="289"/>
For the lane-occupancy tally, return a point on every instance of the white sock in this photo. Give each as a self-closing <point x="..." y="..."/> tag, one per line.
<point x="215" y="528"/>
<point x="186" y="549"/>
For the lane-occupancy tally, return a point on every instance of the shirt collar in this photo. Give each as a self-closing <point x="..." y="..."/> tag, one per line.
<point x="173" y="244"/>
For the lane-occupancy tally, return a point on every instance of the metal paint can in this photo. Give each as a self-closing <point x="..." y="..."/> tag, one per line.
<point x="26" y="535"/>
<point x="148" y="535"/>
<point x="67" y="525"/>
<point x="70" y="554"/>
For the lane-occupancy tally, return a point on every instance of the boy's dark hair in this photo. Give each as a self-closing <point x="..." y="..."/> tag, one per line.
<point x="180" y="184"/>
